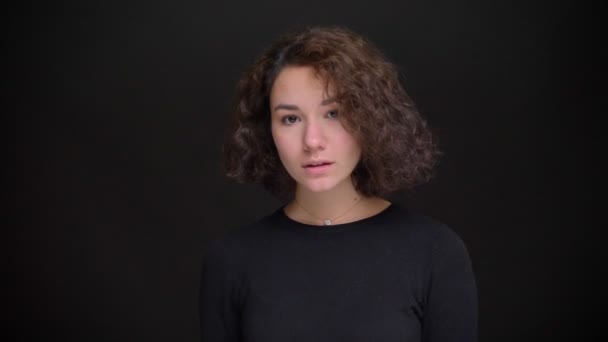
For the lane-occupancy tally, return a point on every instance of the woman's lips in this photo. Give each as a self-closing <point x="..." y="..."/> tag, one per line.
<point x="317" y="168"/>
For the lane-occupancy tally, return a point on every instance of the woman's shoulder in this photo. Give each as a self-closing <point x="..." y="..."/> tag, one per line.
<point x="418" y="226"/>
<point x="239" y="237"/>
<point x="397" y="222"/>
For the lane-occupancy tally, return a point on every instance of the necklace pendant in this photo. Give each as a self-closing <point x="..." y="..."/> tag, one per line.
<point x="327" y="222"/>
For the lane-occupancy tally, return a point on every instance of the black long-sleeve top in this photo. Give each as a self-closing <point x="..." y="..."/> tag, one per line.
<point x="395" y="276"/>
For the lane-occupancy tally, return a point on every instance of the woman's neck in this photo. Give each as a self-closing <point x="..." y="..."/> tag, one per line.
<point x="328" y="205"/>
<point x="339" y="205"/>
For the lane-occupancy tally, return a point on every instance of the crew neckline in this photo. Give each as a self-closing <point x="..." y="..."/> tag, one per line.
<point x="292" y="224"/>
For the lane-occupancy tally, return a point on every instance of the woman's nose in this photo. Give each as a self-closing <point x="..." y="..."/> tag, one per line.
<point x="314" y="137"/>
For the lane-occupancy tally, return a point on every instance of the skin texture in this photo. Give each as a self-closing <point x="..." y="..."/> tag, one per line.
<point x="306" y="128"/>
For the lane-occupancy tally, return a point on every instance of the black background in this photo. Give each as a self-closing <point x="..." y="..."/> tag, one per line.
<point x="118" y="111"/>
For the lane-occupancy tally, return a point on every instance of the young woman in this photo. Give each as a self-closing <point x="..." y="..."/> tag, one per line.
<point x="323" y="122"/>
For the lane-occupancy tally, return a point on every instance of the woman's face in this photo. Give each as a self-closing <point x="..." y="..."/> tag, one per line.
<point x="313" y="145"/>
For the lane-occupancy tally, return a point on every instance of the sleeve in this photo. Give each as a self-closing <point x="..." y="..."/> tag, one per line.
<point x="451" y="312"/>
<point x="218" y="310"/>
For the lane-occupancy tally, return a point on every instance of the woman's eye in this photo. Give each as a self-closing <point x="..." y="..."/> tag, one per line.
<point x="333" y="114"/>
<point x="290" y="119"/>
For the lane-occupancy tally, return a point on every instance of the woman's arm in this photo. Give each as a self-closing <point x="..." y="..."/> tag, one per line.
<point x="451" y="309"/>
<point x="219" y="314"/>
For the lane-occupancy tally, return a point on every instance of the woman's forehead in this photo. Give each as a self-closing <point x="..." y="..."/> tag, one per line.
<point x="301" y="83"/>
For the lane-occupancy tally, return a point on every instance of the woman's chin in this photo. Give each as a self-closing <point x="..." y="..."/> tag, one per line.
<point x="319" y="186"/>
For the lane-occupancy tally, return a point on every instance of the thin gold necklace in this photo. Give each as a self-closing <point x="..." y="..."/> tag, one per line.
<point x="327" y="221"/>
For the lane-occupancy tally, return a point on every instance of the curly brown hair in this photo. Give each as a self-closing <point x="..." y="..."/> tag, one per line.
<point x="397" y="148"/>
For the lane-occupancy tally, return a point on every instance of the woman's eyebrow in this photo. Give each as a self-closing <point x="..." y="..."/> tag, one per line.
<point x="294" y="107"/>
<point x="328" y="101"/>
<point x="286" y="106"/>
